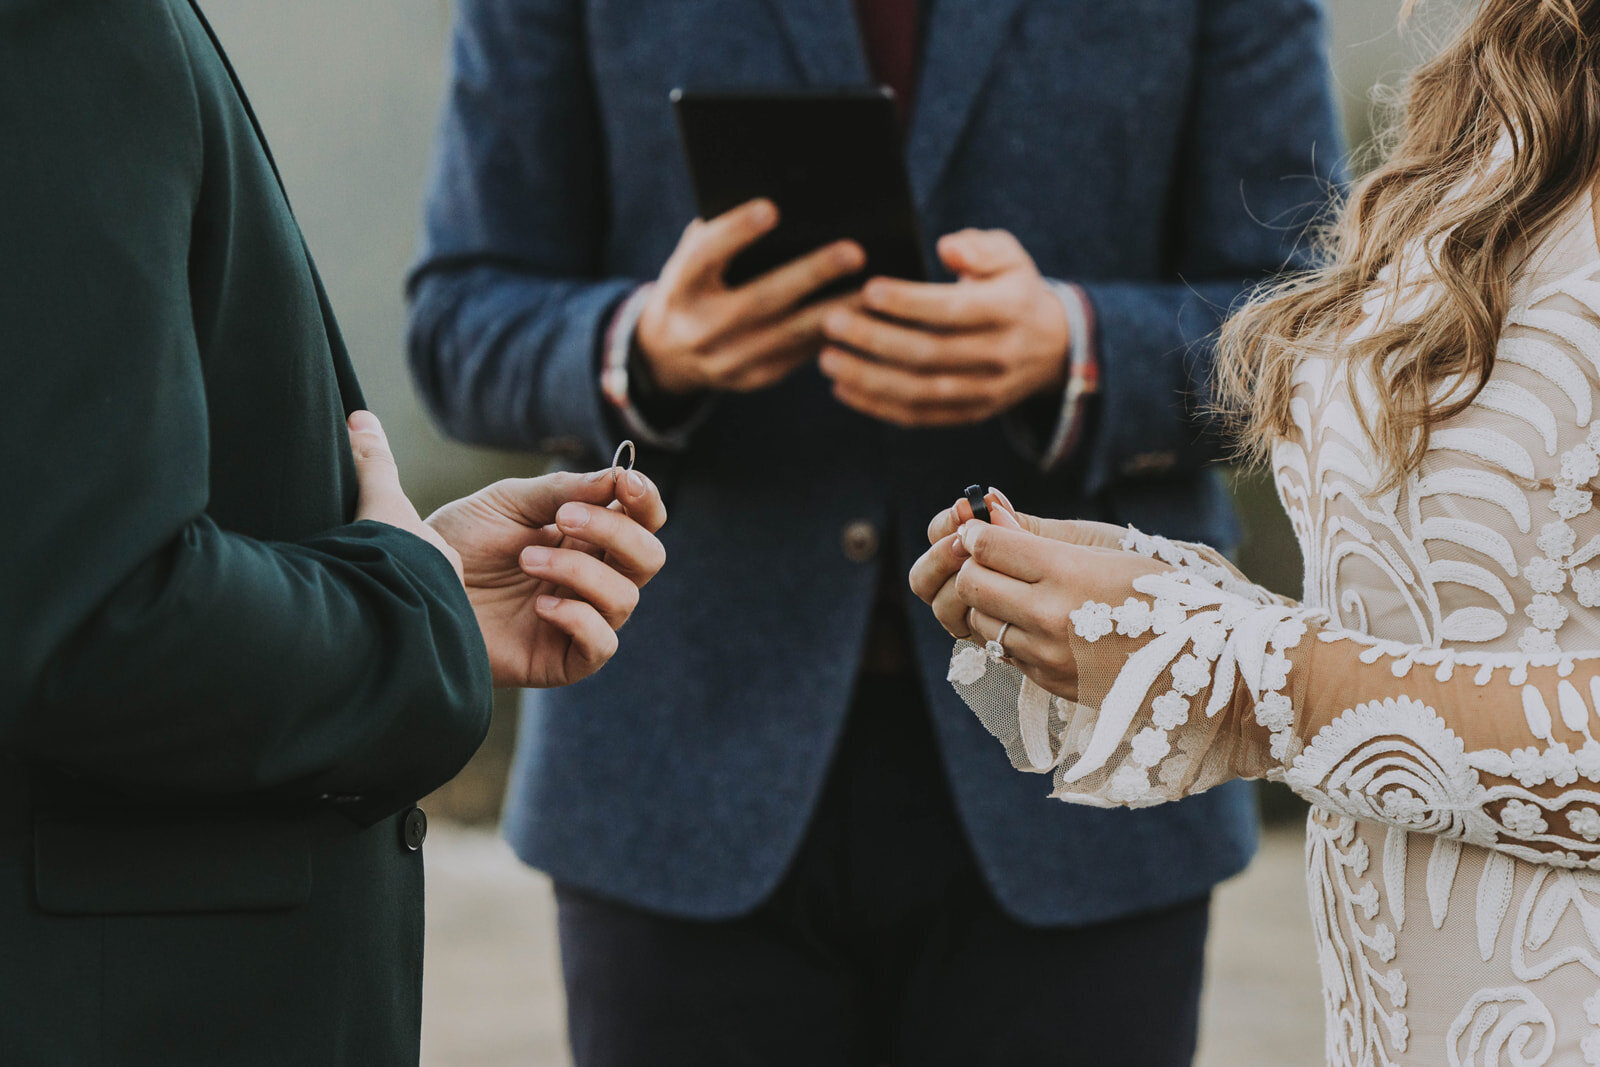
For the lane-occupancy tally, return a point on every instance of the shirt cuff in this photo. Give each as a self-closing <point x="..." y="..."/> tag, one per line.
<point x="1083" y="376"/>
<point x="615" y="380"/>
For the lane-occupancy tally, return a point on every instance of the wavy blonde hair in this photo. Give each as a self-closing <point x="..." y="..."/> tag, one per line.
<point x="1519" y="74"/>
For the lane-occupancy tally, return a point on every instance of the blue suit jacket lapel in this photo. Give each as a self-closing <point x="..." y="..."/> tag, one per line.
<point x="823" y="37"/>
<point x="958" y="53"/>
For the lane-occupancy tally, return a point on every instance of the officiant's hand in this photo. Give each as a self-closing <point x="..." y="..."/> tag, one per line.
<point x="919" y="354"/>
<point x="697" y="333"/>
<point x="553" y="567"/>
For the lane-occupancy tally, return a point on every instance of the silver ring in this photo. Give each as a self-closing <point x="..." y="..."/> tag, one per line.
<point x="633" y="453"/>
<point x="996" y="648"/>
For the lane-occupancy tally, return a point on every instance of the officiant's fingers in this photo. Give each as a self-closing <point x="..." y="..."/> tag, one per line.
<point x="629" y="547"/>
<point x="940" y="305"/>
<point x="588" y="579"/>
<point x="1010" y="550"/>
<point x="997" y="594"/>
<point x="593" y="642"/>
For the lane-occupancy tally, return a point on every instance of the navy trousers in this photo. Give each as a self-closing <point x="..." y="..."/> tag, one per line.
<point x="881" y="946"/>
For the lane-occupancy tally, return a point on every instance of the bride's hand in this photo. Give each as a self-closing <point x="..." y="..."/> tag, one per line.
<point x="985" y="575"/>
<point x="1077" y="531"/>
<point x="933" y="575"/>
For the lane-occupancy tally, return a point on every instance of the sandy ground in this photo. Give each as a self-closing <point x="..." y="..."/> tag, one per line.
<point x="493" y="988"/>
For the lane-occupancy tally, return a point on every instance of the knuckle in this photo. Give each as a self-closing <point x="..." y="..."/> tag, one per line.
<point x="844" y="325"/>
<point x="679" y="333"/>
<point x="373" y="453"/>
<point x="1054" y="617"/>
<point x="977" y="540"/>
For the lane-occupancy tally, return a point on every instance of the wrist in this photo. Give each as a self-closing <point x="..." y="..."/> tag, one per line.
<point x="1058" y="331"/>
<point x="651" y="377"/>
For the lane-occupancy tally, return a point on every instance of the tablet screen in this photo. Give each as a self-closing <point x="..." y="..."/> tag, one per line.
<point x="832" y="161"/>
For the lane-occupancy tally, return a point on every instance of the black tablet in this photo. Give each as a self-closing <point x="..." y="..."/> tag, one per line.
<point x="831" y="160"/>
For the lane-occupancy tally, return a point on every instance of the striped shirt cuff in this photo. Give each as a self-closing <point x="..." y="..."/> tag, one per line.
<point x="614" y="386"/>
<point x="1083" y="376"/>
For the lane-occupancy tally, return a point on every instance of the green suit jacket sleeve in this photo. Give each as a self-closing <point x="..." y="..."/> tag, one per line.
<point x="141" y="645"/>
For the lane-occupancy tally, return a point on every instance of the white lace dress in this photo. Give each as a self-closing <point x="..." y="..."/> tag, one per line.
<point x="1436" y="698"/>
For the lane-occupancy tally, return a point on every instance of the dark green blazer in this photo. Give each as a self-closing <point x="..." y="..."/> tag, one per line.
<point x="219" y="696"/>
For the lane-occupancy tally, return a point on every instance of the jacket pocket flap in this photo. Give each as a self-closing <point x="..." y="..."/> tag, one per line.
<point x="136" y="863"/>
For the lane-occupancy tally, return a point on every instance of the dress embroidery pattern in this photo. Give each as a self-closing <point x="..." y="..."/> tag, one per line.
<point x="1436" y="696"/>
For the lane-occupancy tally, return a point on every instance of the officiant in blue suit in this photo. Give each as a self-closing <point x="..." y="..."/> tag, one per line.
<point x="777" y="837"/>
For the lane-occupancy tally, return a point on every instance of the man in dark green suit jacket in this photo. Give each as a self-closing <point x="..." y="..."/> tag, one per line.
<point x="231" y="655"/>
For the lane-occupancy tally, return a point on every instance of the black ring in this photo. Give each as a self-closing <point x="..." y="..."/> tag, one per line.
<point x="980" y="506"/>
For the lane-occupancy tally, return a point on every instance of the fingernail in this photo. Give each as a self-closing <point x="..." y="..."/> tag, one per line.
<point x="599" y="476"/>
<point x="535" y="556"/>
<point x="766" y="212"/>
<point x="1003" y="517"/>
<point x="574" y="515"/>
<point x="1002" y="498"/>
<point x="828" y="363"/>
<point x="848" y="256"/>
<point x="959" y="550"/>
<point x="547" y="603"/>
<point x="836" y="323"/>
<point x="637" y="486"/>
<point x="969" y="533"/>
<point x="364" y="422"/>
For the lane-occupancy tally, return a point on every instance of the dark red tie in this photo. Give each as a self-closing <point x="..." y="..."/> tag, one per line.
<point x="889" y="32"/>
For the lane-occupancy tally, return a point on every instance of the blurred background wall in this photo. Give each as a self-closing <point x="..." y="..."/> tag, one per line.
<point x="348" y="90"/>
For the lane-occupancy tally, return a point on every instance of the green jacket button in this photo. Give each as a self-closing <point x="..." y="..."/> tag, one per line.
<point x="414" y="831"/>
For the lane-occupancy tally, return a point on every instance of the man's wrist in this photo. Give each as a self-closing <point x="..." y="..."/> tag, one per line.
<point x="1051" y="423"/>
<point x="630" y="387"/>
<point x="1083" y="373"/>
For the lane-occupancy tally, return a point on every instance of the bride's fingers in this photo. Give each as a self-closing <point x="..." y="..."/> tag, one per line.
<point x="1014" y="552"/>
<point x="1001" y="513"/>
<point x="934" y="568"/>
<point x="949" y="520"/>
<point x="1020" y="645"/>
<point x="933" y="580"/>
<point x="996" y="594"/>
<point x="1083" y="532"/>
<point x="951" y="612"/>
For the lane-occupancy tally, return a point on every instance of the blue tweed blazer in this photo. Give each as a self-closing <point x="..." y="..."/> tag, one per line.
<point x="1164" y="154"/>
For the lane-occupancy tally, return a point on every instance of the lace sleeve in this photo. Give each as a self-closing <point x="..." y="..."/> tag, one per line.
<point x="1203" y="677"/>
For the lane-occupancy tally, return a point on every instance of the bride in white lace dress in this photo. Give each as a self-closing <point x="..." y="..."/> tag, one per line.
<point x="1436" y="695"/>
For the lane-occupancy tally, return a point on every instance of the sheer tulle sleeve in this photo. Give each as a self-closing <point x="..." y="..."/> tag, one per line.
<point x="1202" y="677"/>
